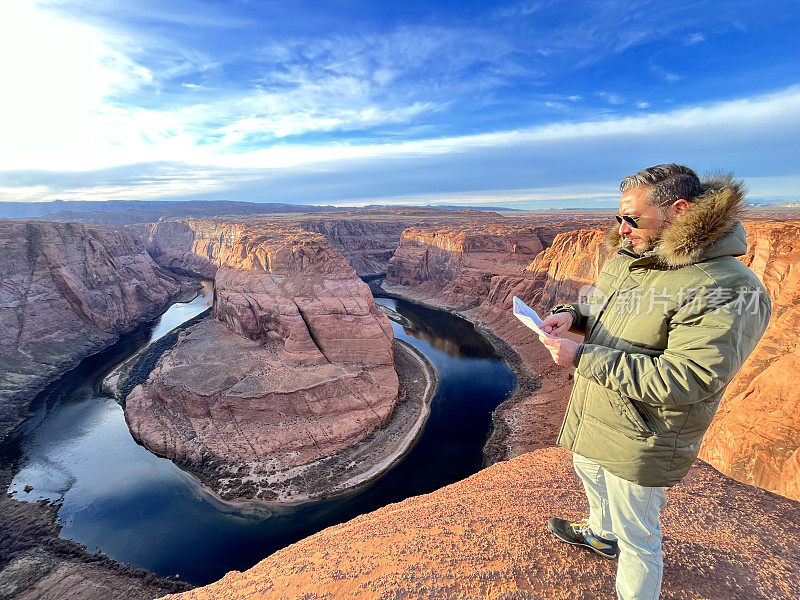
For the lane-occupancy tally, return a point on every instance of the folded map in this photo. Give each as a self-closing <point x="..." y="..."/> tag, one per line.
<point x="528" y="316"/>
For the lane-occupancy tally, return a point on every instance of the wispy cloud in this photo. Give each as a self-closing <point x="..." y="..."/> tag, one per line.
<point x="695" y="38"/>
<point x="611" y="97"/>
<point x="714" y="134"/>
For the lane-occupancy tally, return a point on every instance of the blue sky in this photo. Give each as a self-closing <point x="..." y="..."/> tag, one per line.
<point x="526" y="104"/>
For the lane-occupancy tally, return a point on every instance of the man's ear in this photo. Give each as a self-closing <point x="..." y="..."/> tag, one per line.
<point x="681" y="206"/>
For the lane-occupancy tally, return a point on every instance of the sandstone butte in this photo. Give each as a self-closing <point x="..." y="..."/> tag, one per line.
<point x="296" y="365"/>
<point x="66" y="291"/>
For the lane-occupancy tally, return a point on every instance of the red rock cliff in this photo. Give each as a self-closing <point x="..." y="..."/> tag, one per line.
<point x="297" y="365"/>
<point x="68" y="290"/>
<point x="453" y="264"/>
<point x="191" y="246"/>
<point x="366" y="243"/>
<point x="755" y="436"/>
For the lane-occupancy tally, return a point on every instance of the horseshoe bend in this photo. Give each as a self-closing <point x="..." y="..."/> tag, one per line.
<point x="295" y="375"/>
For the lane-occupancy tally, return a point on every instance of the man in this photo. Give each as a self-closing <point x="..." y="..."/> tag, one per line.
<point x="669" y="323"/>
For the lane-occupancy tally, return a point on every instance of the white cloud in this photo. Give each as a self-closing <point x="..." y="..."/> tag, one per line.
<point x="148" y="136"/>
<point x="56" y="76"/>
<point x="695" y="38"/>
<point x="611" y="97"/>
<point x="667" y="76"/>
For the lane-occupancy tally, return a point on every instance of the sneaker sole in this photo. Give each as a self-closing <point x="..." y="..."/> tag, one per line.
<point x="588" y="546"/>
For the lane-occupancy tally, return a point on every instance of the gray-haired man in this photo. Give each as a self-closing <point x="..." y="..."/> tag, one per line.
<point x="650" y="374"/>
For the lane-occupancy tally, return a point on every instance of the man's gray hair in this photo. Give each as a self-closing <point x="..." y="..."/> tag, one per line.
<point x="667" y="184"/>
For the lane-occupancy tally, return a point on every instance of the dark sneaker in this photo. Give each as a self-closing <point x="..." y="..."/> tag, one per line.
<point x="580" y="534"/>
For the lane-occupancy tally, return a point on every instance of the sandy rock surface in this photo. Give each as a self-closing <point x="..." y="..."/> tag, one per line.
<point x="485" y="537"/>
<point x="66" y="291"/>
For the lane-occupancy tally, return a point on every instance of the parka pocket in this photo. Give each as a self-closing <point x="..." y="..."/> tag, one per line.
<point x="626" y="417"/>
<point x="634" y="416"/>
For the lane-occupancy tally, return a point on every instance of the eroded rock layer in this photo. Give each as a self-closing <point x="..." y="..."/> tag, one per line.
<point x="297" y="364"/>
<point x="486" y="537"/>
<point x="191" y="245"/>
<point x="366" y="238"/>
<point x="755" y="436"/>
<point x="366" y="241"/>
<point x="454" y="264"/>
<point x="66" y="291"/>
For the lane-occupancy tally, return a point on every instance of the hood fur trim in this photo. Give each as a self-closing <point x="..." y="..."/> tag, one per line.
<point x="710" y="218"/>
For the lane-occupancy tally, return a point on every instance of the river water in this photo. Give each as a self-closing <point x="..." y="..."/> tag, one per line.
<point x="117" y="497"/>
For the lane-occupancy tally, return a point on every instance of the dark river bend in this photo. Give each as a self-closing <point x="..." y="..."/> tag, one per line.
<point x="117" y="497"/>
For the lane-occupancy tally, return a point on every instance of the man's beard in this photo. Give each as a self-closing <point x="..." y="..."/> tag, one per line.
<point x="641" y="247"/>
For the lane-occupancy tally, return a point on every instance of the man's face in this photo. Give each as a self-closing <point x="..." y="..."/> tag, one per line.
<point x="651" y="224"/>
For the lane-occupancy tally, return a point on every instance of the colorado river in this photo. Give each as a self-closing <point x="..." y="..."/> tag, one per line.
<point x="117" y="497"/>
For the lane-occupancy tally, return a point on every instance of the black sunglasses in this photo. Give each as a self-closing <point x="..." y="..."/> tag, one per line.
<point x="632" y="221"/>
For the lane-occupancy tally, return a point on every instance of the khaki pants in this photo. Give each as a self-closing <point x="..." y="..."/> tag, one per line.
<point x="627" y="512"/>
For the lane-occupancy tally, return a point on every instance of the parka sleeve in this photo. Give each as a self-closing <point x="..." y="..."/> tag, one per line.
<point x="580" y="314"/>
<point x="708" y="342"/>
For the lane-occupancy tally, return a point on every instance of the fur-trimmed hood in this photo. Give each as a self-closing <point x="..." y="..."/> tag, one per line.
<point x="708" y="229"/>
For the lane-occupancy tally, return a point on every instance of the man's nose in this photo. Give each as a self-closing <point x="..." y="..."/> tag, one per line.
<point x="624" y="228"/>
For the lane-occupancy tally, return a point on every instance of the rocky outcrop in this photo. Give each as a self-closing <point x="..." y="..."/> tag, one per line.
<point x="67" y="290"/>
<point x="486" y="537"/>
<point x="755" y="436"/>
<point x="296" y="365"/>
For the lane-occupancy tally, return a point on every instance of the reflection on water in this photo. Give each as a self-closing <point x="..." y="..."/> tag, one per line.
<point x="183" y="311"/>
<point x="140" y="509"/>
<point x="58" y="466"/>
<point x="443" y="331"/>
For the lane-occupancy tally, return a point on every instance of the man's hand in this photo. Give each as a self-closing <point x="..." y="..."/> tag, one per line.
<point x="558" y="323"/>
<point x="561" y="349"/>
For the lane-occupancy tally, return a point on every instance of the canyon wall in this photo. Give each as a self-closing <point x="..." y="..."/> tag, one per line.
<point x="366" y="243"/>
<point x="190" y="246"/>
<point x="66" y="291"/>
<point x="755" y="436"/>
<point x="366" y="238"/>
<point x="296" y="364"/>
<point x="486" y="537"/>
<point x="453" y="264"/>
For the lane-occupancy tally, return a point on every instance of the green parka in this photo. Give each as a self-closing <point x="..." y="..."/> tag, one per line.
<point x="666" y="332"/>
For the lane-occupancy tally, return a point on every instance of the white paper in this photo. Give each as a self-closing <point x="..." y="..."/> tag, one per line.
<point x="528" y="316"/>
